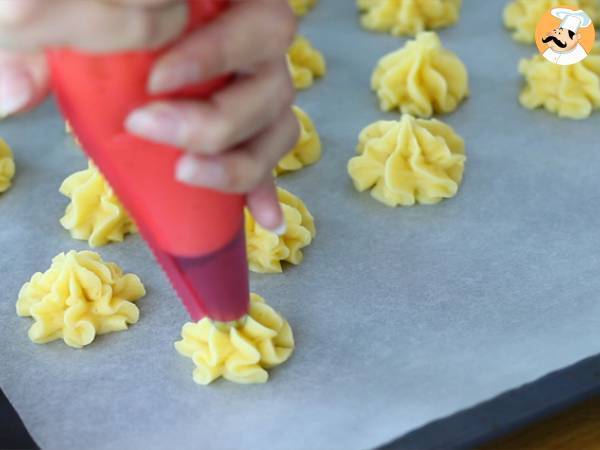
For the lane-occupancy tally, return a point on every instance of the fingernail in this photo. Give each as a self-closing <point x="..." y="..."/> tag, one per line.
<point x="281" y="229"/>
<point x="170" y="77"/>
<point x="185" y="170"/>
<point x="158" y="122"/>
<point x="16" y="91"/>
<point x="273" y="216"/>
<point x="196" y="172"/>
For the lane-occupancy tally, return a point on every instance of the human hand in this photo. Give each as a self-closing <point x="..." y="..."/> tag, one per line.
<point x="233" y="139"/>
<point x="27" y="26"/>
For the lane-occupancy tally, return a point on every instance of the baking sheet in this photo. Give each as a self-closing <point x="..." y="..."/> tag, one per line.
<point x="401" y="316"/>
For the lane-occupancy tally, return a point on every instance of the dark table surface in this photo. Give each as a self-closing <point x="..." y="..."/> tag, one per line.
<point x="13" y="434"/>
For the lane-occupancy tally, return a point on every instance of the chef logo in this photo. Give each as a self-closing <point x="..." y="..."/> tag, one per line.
<point x="565" y="36"/>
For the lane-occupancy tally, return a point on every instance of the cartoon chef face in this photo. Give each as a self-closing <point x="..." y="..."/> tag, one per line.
<point x="566" y="37"/>
<point x="564" y="43"/>
<point x="562" y="39"/>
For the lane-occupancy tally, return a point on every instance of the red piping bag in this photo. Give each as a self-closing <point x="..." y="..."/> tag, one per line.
<point x="196" y="234"/>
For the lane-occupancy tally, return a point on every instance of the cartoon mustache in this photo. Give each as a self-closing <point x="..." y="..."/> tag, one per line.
<point x="556" y="41"/>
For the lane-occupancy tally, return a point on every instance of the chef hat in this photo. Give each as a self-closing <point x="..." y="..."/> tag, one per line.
<point x="572" y="20"/>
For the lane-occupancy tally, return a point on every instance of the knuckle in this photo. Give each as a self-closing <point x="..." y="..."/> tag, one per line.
<point x="292" y="127"/>
<point x="287" y="92"/>
<point x="219" y="58"/>
<point x="285" y="25"/>
<point x="241" y="173"/>
<point x="231" y="177"/>
<point x="256" y="177"/>
<point x="218" y="135"/>
<point x="203" y="129"/>
<point x="278" y="76"/>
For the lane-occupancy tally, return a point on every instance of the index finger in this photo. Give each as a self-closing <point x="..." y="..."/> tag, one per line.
<point x="244" y="35"/>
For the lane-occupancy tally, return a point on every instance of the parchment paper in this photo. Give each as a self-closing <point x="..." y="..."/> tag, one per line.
<point x="401" y="316"/>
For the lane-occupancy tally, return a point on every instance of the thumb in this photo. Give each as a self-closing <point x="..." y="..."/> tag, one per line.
<point x="24" y="82"/>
